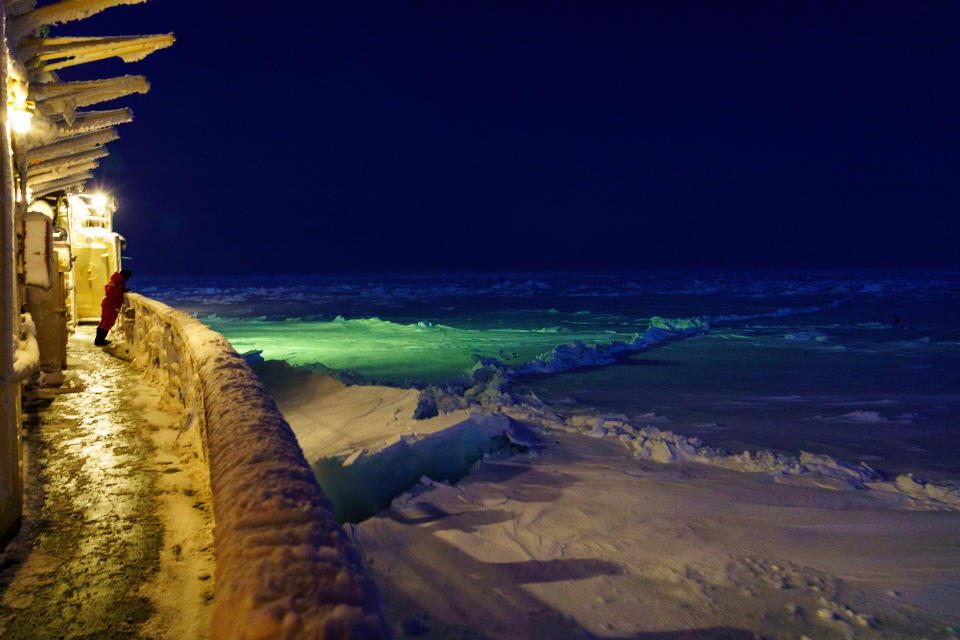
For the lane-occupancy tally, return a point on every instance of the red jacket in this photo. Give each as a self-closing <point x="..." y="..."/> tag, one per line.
<point x="115" y="290"/>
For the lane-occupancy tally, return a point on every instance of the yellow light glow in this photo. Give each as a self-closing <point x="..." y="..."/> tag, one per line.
<point x="19" y="109"/>
<point x="99" y="202"/>
<point x="19" y="120"/>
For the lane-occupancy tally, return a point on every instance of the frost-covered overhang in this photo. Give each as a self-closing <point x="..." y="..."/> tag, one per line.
<point x="74" y="180"/>
<point x="64" y="143"/>
<point x="62" y="98"/>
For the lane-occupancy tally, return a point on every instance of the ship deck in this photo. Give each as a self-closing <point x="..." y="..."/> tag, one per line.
<point x="115" y="540"/>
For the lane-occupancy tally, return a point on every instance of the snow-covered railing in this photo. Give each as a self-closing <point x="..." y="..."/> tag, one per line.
<point x="285" y="568"/>
<point x="160" y="346"/>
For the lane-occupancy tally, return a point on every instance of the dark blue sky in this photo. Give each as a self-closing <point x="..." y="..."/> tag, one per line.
<point x="391" y="136"/>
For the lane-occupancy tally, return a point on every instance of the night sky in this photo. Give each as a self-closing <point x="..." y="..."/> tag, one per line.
<point x="315" y="137"/>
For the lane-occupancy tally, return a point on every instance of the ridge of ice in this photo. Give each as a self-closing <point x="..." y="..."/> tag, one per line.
<point x="660" y="331"/>
<point x="366" y="480"/>
<point x="650" y="443"/>
<point x="577" y="354"/>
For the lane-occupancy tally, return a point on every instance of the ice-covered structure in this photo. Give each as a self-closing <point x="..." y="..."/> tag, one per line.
<point x="57" y="242"/>
<point x="284" y="567"/>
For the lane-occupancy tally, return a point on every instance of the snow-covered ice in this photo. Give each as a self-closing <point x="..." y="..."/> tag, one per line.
<point x="779" y="459"/>
<point x="615" y="529"/>
<point x="581" y="539"/>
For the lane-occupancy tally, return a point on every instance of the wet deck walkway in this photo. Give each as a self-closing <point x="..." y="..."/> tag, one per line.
<point x="104" y="539"/>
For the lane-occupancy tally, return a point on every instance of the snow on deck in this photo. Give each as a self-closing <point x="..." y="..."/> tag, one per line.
<point x="116" y="533"/>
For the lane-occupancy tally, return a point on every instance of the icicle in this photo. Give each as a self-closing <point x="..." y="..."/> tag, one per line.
<point x="49" y="54"/>
<point x="72" y="145"/>
<point x="65" y="161"/>
<point x="57" y="173"/>
<point x="59" y="185"/>
<point x="58" y="13"/>
<point x="85" y="122"/>
<point x="61" y="97"/>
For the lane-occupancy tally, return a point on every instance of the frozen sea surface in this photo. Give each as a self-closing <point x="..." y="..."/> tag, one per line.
<point x="861" y="366"/>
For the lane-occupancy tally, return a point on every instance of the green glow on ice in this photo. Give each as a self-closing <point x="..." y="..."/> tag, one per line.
<point x="387" y="351"/>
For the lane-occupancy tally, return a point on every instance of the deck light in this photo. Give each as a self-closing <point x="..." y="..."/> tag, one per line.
<point x="99" y="202"/>
<point x="19" y="109"/>
<point x="20" y="120"/>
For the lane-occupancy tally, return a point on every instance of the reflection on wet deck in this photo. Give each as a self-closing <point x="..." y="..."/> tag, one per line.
<point x="91" y="536"/>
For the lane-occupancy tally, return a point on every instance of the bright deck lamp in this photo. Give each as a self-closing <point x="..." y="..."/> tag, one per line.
<point x="19" y="109"/>
<point x="99" y="202"/>
<point x="19" y="120"/>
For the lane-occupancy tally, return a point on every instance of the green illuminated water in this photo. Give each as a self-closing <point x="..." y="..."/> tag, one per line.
<point x="860" y="366"/>
<point x="392" y="352"/>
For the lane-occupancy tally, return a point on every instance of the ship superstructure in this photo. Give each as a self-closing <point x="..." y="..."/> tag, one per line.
<point x="56" y="237"/>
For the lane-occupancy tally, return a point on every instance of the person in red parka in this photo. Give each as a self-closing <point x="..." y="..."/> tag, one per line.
<point x="110" y="306"/>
